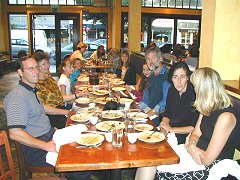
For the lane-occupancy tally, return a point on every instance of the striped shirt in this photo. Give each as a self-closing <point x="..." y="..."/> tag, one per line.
<point x="24" y="110"/>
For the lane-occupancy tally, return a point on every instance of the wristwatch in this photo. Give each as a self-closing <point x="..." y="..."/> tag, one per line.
<point x="75" y="96"/>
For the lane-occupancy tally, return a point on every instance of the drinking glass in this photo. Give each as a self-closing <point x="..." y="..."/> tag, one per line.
<point x="117" y="135"/>
<point x="130" y="126"/>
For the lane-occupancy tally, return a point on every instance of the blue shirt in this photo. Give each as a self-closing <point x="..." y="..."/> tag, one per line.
<point x="74" y="76"/>
<point x="160" y="106"/>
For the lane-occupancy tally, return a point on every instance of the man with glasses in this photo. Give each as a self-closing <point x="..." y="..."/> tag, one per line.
<point x="26" y="119"/>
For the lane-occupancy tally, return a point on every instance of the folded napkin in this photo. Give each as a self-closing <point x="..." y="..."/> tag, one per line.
<point x="223" y="168"/>
<point x="51" y="158"/>
<point x="68" y="134"/>
<point x="64" y="136"/>
<point x="186" y="164"/>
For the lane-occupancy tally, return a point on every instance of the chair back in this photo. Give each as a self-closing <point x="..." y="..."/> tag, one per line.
<point x="6" y="158"/>
<point x="25" y="170"/>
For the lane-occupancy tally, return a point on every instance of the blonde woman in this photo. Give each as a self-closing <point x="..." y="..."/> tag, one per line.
<point x="215" y="135"/>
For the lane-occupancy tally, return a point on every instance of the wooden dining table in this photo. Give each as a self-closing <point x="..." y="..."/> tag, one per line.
<point x="106" y="156"/>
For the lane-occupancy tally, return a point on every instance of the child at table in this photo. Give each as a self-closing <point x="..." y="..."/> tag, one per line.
<point x="123" y="65"/>
<point x="141" y="84"/>
<point x="77" y="64"/>
<point x="65" y="85"/>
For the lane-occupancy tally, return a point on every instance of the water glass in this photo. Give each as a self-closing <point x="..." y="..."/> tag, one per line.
<point x="130" y="126"/>
<point x="117" y="135"/>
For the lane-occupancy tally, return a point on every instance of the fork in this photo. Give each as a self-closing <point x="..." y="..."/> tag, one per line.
<point x="149" y="137"/>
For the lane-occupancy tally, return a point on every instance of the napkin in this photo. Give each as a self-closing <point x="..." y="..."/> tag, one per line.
<point x="186" y="162"/>
<point x="51" y="158"/>
<point x="64" y="136"/>
<point x="67" y="135"/>
<point x="223" y="168"/>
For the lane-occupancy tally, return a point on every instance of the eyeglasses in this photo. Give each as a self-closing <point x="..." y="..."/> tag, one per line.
<point x="30" y="69"/>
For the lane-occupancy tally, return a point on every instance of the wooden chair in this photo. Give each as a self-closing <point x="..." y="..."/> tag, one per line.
<point x="9" y="161"/>
<point x="26" y="171"/>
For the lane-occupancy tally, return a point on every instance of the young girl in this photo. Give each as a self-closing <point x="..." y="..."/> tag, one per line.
<point x="77" y="64"/>
<point x="123" y="65"/>
<point x="141" y="84"/>
<point x="66" y="87"/>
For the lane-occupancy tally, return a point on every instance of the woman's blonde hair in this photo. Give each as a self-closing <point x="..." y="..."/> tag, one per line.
<point x="210" y="91"/>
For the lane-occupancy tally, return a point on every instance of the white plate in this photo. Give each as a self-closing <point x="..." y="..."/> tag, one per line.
<point x="81" y="118"/>
<point x="118" y="88"/>
<point x="82" y="88"/>
<point x="83" y="79"/>
<point x="123" y="100"/>
<point x="156" y="137"/>
<point x="101" y="92"/>
<point x="112" y="114"/>
<point x="143" y="127"/>
<point x="138" y="115"/>
<point x="108" y="125"/>
<point x="117" y="82"/>
<point x="82" y="100"/>
<point x="90" y="139"/>
<point x="103" y="100"/>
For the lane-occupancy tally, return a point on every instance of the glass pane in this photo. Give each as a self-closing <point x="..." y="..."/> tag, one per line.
<point x="186" y="3"/>
<point x="53" y="2"/>
<point x="45" y="2"/>
<point x="66" y="37"/>
<point x="125" y="2"/>
<point x="162" y="31"/>
<point x="37" y="1"/>
<point x="70" y="2"/>
<point x="171" y="3"/>
<point x="164" y="3"/>
<point x="12" y="1"/>
<point x="187" y="31"/>
<point x="148" y="3"/>
<point x="193" y="4"/>
<point x="19" y="33"/>
<point x="125" y="29"/>
<point x="29" y="1"/>
<point x="62" y="2"/>
<point x="156" y="3"/>
<point x="144" y="34"/>
<point x="178" y="3"/>
<point x="199" y="6"/>
<point x="43" y="32"/>
<point x="21" y="1"/>
<point x="94" y="31"/>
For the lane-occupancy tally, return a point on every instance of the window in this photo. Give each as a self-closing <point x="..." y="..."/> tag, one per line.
<point x="161" y="29"/>
<point x="51" y="2"/>
<point x="95" y="30"/>
<point x="187" y="31"/>
<point x="185" y="4"/>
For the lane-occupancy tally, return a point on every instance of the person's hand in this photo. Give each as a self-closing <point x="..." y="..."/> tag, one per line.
<point x="165" y="126"/>
<point x="129" y="89"/>
<point x="50" y="146"/>
<point x="151" y="112"/>
<point x="196" y="153"/>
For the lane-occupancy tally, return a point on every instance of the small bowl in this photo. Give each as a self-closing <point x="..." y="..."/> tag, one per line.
<point x="94" y="120"/>
<point x="108" y="136"/>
